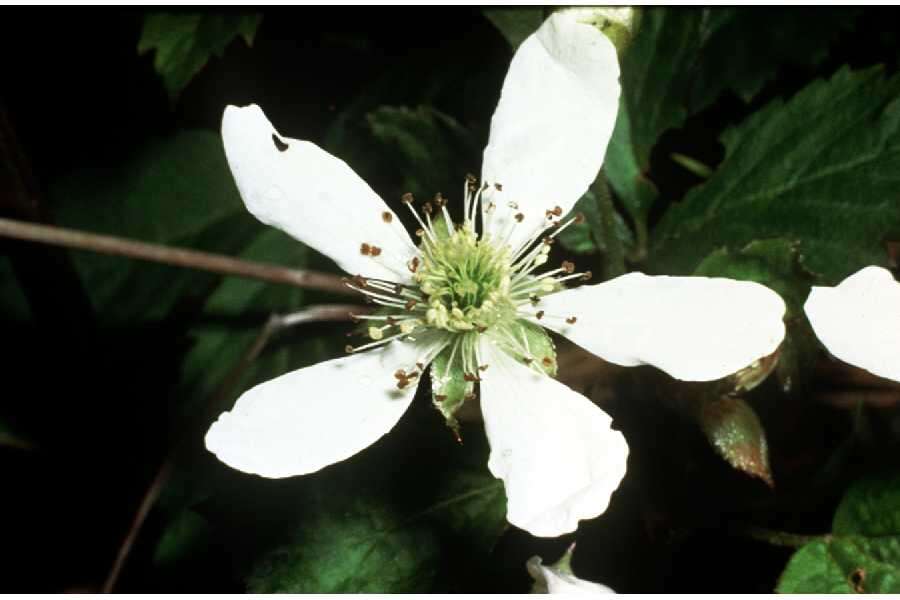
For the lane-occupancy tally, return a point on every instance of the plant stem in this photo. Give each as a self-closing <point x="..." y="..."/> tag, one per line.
<point x="775" y="537"/>
<point x="180" y="257"/>
<point x="275" y="324"/>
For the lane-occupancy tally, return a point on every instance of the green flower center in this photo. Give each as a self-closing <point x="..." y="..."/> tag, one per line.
<point x="466" y="280"/>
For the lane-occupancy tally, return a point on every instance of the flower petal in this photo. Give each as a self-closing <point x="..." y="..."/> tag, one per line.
<point x="553" y="448"/>
<point x="552" y="124"/>
<point x="693" y="328"/>
<point x="316" y="198"/>
<point x="551" y="580"/>
<point x="859" y="320"/>
<point x="319" y="415"/>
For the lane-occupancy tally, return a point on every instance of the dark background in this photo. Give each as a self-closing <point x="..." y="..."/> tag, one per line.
<point x="76" y="94"/>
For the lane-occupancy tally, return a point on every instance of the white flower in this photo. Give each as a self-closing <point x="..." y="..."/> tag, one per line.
<point x="473" y="301"/>
<point x="859" y="320"/>
<point x="559" y="579"/>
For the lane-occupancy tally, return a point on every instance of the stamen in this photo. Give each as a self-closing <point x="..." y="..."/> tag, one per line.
<point x="387" y="217"/>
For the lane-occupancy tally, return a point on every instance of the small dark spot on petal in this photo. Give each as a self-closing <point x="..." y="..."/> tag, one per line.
<point x="280" y="145"/>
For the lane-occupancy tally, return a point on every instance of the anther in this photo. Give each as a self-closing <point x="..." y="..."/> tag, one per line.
<point x="539" y="315"/>
<point x="413" y="264"/>
<point x="387" y="217"/>
<point x="471" y="378"/>
<point x="483" y="368"/>
<point x="428" y="208"/>
<point x="348" y="348"/>
<point x="440" y="397"/>
<point x="420" y="232"/>
<point x="365" y="249"/>
<point x="359" y="280"/>
<point x="534" y="300"/>
<point x="568" y="266"/>
<point x="557" y="211"/>
<point x="407" y="198"/>
<point x="391" y="321"/>
<point x="410" y="304"/>
<point x="498" y="187"/>
<point x="519" y="217"/>
<point x="421" y="366"/>
<point x="571" y="320"/>
<point x="547" y="361"/>
<point x="586" y="276"/>
<point x="400" y="374"/>
<point x="579" y="218"/>
<point x="439" y="200"/>
<point x="354" y="318"/>
<point x="480" y="328"/>
<point x="469" y="396"/>
<point x="375" y="251"/>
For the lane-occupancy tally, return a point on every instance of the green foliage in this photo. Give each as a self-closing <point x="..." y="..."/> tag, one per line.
<point x="186" y="535"/>
<point x="515" y="24"/>
<point x="819" y="169"/>
<point x="862" y="554"/>
<point x="364" y="546"/>
<point x="184" y="42"/>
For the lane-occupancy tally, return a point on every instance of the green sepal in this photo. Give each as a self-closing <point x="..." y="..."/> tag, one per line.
<point x="539" y="344"/>
<point x="449" y="388"/>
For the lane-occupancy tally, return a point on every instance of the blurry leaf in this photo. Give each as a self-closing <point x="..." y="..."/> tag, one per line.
<point x="175" y="192"/>
<point x="589" y="237"/>
<point x="185" y="536"/>
<point x="184" y="43"/>
<point x="515" y="24"/>
<point x="862" y="554"/>
<point x="777" y="264"/>
<point x="369" y="548"/>
<point x="743" y="45"/>
<point x="425" y="149"/>
<point x="737" y="435"/>
<point x="820" y="169"/>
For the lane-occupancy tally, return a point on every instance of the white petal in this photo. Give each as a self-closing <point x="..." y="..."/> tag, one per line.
<point x="693" y="328"/>
<point x="552" y="124"/>
<point x="313" y="196"/>
<point x="859" y="320"/>
<point x="550" y="580"/>
<point x="553" y="448"/>
<point x="319" y="415"/>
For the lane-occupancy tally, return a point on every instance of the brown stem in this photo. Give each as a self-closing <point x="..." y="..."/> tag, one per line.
<point x="276" y="323"/>
<point x="181" y="257"/>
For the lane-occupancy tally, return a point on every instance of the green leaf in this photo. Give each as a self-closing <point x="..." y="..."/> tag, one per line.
<point x="734" y="430"/>
<point x="424" y="150"/>
<point x="820" y="170"/>
<point x="367" y="547"/>
<point x="590" y="236"/>
<point x="515" y="24"/>
<point x="177" y="191"/>
<point x="188" y="534"/>
<point x="184" y="43"/>
<point x="530" y="344"/>
<point x="862" y="554"/>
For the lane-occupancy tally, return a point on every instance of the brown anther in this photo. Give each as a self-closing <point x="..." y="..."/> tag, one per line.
<point x="534" y="300"/>
<point x="568" y="266"/>
<point x="586" y="276"/>
<point x="355" y="318"/>
<point x="571" y="320"/>
<point x="376" y="251"/>
<point x="412" y="375"/>
<point x="391" y="321"/>
<point x="359" y="281"/>
<point x="539" y="315"/>
<point x="483" y="368"/>
<point x="439" y="200"/>
<point x="471" y="179"/>
<point x="365" y="249"/>
<point x="579" y="218"/>
<point x="557" y="211"/>
<point x="548" y="241"/>
<point x="387" y="217"/>
<point x="407" y="198"/>
<point x="400" y="374"/>
<point x="480" y="328"/>
<point x="498" y="187"/>
<point x="471" y="378"/>
<point x="421" y="366"/>
<point x="348" y="348"/>
<point x="420" y="232"/>
<point x="440" y="397"/>
<point x="520" y="217"/>
<point x="410" y="304"/>
<point x="547" y="361"/>
<point x="413" y="264"/>
<point x="428" y="208"/>
<point x="470" y="396"/>
<point x="554" y="224"/>
<point x="402" y="383"/>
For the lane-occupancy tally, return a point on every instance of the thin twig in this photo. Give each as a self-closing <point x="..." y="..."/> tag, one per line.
<point x="275" y="324"/>
<point x="776" y="538"/>
<point x="180" y="257"/>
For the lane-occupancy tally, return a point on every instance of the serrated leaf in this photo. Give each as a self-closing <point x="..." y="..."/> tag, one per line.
<point x="184" y="43"/>
<point x="370" y="548"/>
<point x="862" y="554"/>
<point x="515" y="24"/>
<point x="820" y="169"/>
<point x="734" y="430"/>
